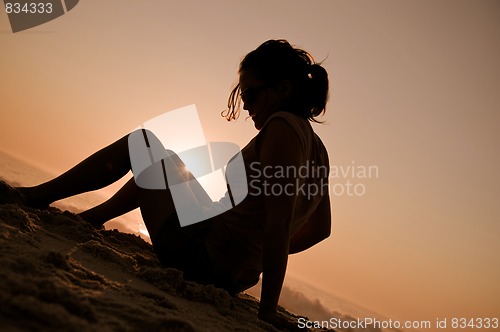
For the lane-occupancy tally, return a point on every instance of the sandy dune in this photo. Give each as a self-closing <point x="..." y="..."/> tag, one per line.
<point x="58" y="273"/>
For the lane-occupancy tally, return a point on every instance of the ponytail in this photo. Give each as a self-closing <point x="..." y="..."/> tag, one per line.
<point x="317" y="91"/>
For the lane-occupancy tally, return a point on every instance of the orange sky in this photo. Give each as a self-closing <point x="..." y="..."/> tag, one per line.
<point x="414" y="93"/>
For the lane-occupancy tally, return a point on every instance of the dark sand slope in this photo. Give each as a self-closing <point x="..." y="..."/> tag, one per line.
<point x="58" y="273"/>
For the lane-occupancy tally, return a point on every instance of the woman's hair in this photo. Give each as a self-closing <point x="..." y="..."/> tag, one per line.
<point x="277" y="60"/>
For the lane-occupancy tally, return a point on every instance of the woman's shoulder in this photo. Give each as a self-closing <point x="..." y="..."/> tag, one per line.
<point x="297" y="126"/>
<point x="287" y="116"/>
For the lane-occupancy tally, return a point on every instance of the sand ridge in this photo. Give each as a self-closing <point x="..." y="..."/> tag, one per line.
<point x="59" y="273"/>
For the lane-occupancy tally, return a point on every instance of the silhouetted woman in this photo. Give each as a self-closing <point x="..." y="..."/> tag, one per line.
<point x="287" y="209"/>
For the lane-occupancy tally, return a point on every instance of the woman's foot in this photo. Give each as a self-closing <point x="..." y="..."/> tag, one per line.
<point x="88" y="218"/>
<point x="10" y="195"/>
<point x="32" y="198"/>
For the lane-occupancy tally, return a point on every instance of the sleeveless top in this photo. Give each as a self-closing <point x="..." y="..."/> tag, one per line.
<point x="235" y="240"/>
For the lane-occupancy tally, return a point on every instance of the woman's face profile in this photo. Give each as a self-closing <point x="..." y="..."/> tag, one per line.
<point x="259" y="98"/>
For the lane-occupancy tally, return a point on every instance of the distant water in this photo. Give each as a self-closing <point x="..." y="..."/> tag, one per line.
<point x="18" y="172"/>
<point x="323" y="305"/>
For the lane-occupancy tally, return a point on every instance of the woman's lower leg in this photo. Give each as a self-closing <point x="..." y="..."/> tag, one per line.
<point x="97" y="171"/>
<point x="125" y="200"/>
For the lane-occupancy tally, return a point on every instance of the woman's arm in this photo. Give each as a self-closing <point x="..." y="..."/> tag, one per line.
<point x="315" y="230"/>
<point x="280" y="146"/>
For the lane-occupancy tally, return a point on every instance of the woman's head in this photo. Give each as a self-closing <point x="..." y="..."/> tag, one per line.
<point x="277" y="76"/>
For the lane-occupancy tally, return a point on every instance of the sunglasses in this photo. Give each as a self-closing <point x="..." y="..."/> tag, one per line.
<point x="250" y="95"/>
